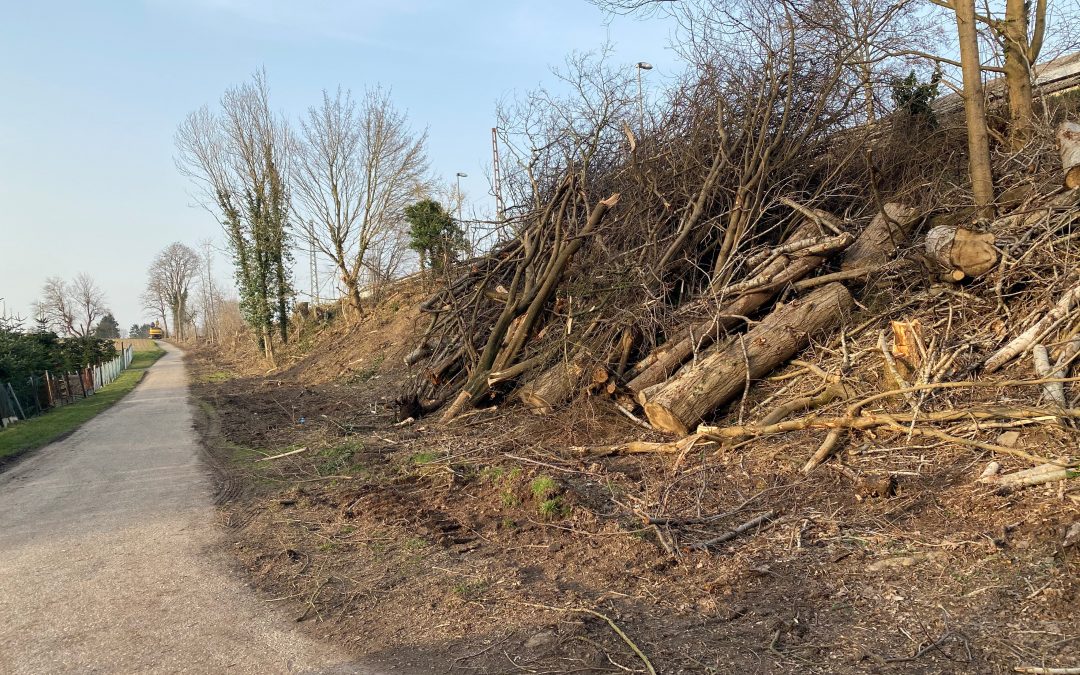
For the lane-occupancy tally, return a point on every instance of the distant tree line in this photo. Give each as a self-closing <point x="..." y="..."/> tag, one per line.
<point x="342" y="181"/>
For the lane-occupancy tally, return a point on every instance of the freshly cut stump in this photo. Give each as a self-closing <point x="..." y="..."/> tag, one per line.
<point x="681" y="402"/>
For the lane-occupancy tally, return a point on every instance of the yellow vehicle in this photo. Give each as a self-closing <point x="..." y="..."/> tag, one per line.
<point x="155" y="332"/>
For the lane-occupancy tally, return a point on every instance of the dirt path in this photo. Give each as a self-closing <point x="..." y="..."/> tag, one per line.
<point x="107" y="559"/>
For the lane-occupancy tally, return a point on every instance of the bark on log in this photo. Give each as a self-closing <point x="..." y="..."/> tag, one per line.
<point x="961" y="251"/>
<point x="670" y="357"/>
<point x="420" y="353"/>
<point x="1068" y="137"/>
<point x="554" y="386"/>
<point x="681" y="402"/>
<point x="881" y="239"/>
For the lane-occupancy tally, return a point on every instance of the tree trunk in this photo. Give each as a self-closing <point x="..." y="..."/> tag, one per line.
<point x="982" y="180"/>
<point x="355" y="301"/>
<point x="1018" y="73"/>
<point x="682" y="401"/>
<point x="1068" y="136"/>
<point x="268" y="343"/>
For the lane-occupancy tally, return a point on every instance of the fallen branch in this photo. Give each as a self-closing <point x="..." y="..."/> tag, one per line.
<point x="1025" y="340"/>
<point x="1044" y="473"/>
<point x="832" y="392"/>
<point x="633" y="418"/>
<point x="821" y="218"/>
<point x="728" y="536"/>
<point x="806" y="247"/>
<point x="618" y="631"/>
<point x="895" y="421"/>
<point x="832" y="440"/>
<point x="845" y="275"/>
<point x="1055" y="391"/>
<point x="862" y="403"/>
<point x="639" y="447"/>
<point x="284" y="454"/>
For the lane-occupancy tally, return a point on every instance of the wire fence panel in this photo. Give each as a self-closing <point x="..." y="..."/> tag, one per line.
<point x="41" y="393"/>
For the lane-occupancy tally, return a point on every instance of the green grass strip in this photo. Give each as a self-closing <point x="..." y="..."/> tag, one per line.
<point x="44" y="429"/>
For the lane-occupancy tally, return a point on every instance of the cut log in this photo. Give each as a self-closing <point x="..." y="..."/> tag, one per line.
<point x="1055" y="391"/>
<point x="681" y="402"/>
<point x="961" y="250"/>
<point x="420" y="353"/>
<point x="1068" y="137"/>
<point x="880" y="241"/>
<point x="554" y="386"/>
<point x="663" y="362"/>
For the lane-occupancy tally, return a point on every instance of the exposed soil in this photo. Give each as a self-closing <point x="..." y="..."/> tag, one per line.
<point x="477" y="547"/>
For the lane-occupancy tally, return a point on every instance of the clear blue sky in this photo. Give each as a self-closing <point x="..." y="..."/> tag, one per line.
<point x="93" y="91"/>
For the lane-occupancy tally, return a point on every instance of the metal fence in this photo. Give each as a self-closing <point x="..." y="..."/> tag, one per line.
<point x="43" y="392"/>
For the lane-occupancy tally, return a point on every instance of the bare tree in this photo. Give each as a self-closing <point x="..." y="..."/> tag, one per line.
<point x="357" y="167"/>
<point x="239" y="160"/>
<point x="72" y="308"/>
<point x="208" y="293"/>
<point x="174" y="270"/>
<point x="154" y="300"/>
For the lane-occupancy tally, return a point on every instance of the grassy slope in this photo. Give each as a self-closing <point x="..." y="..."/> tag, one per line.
<point x="44" y="429"/>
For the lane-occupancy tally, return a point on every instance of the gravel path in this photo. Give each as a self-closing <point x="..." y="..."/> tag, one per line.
<point x="109" y="555"/>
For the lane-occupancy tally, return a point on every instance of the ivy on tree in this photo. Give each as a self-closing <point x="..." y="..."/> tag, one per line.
<point x="915" y="97"/>
<point x="434" y="234"/>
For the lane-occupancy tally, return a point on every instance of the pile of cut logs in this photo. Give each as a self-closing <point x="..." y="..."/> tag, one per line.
<point x="509" y="326"/>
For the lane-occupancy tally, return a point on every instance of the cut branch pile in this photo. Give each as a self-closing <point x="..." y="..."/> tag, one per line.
<point x="710" y="263"/>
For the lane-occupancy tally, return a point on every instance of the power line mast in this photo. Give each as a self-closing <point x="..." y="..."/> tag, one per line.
<point x="497" y="176"/>
<point x="314" y="269"/>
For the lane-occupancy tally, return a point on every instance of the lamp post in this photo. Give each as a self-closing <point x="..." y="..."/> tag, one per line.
<point x="460" y="201"/>
<point x="641" y="65"/>
<point x="460" y="175"/>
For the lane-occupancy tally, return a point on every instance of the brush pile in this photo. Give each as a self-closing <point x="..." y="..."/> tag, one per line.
<point x="672" y="271"/>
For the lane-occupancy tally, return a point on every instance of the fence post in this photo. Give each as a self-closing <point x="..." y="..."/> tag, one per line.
<point x="16" y="400"/>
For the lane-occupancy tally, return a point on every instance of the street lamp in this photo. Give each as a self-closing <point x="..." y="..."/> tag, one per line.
<point x="460" y="175"/>
<point x="641" y="65"/>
